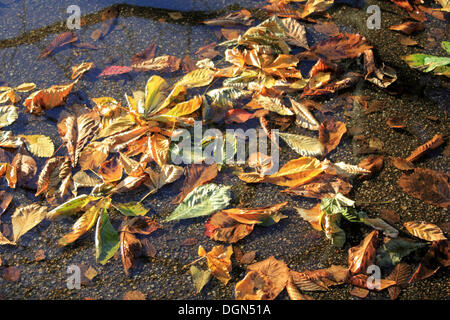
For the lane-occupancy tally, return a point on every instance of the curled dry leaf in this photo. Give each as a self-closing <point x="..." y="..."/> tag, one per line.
<point x="77" y="127"/>
<point x="427" y="185"/>
<point x="130" y="249"/>
<point x="304" y="117"/>
<point x="45" y="99"/>
<point x="424" y="230"/>
<point x="303" y="145"/>
<point x="219" y="261"/>
<point x="315" y="6"/>
<point x="54" y="178"/>
<point x="264" y="280"/>
<point x="26" y="168"/>
<point x="362" y="281"/>
<point x="296" y="34"/>
<point x="435" y="142"/>
<point x="360" y="257"/>
<point x="372" y="163"/>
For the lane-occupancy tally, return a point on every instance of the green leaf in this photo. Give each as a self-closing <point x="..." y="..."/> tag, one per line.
<point x="131" y="209"/>
<point x="202" y="201"/>
<point x="107" y="240"/>
<point x="393" y="251"/>
<point x="72" y="206"/>
<point x="446" y="46"/>
<point x="200" y="277"/>
<point x="425" y="62"/>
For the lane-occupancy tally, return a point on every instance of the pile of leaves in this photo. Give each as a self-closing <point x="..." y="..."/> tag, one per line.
<point x="122" y="144"/>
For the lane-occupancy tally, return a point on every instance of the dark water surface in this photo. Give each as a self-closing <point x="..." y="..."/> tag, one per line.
<point x="27" y="27"/>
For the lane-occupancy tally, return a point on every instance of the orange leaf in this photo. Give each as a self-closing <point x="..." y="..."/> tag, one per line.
<point x="360" y="257"/>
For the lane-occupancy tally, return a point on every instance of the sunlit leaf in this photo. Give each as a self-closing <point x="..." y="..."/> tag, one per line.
<point x="39" y="145"/>
<point x="8" y="114"/>
<point x="26" y="218"/>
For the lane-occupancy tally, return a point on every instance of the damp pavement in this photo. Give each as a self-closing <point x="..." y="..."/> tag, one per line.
<point x="27" y="27"/>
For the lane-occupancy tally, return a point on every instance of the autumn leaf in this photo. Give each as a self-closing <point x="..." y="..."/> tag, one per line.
<point x="111" y="170"/>
<point x="372" y="163"/>
<point x="131" y="209"/>
<point x="402" y="164"/>
<point x="400" y="275"/>
<point x="424" y="230"/>
<point x="5" y="200"/>
<point x="330" y="134"/>
<point x="197" y="78"/>
<point x="26" y="168"/>
<point x="26" y="218"/>
<point x="58" y="42"/>
<point x="165" y="63"/>
<point x="45" y="99"/>
<point x="219" y="261"/>
<point x="196" y="175"/>
<point x="273" y="104"/>
<point x="72" y="206"/>
<point x="436" y="257"/>
<point x="362" y="280"/>
<point x="85" y="222"/>
<point x="304" y="117"/>
<point x="360" y="257"/>
<point x="296" y="34"/>
<point x="427" y="185"/>
<point x="303" y="145"/>
<point x="54" y="178"/>
<point x="202" y="201"/>
<point x="76" y="127"/>
<point x="93" y="155"/>
<point x="107" y="240"/>
<point x="130" y="249"/>
<point x="322" y="186"/>
<point x="39" y="145"/>
<point x="314" y="6"/>
<point x="114" y="71"/>
<point x="435" y="142"/>
<point x="82" y="68"/>
<point x="319" y="280"/>
<point x="408" y="27"/>
<point x="199" y="277"/>
<point x="146" y="54"/>
<point x="264" y="280"/>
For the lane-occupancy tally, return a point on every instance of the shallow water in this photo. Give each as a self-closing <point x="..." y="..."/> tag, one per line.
<point x="27" y="27"/>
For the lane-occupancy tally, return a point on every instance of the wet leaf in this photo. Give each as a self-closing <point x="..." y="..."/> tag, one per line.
<point x="393" y="251"/>
<point x="77" y="126"/>
<point x="200" y="277"/>
<point x="165" y="63"/>
<point x="202" y="201"/>
<point x="424" y="230"/>
<point x="372" y="163"/>
<point x="435" y="142"/>
<point x="304" y="117"/>
<point x="314" y="6"/>
<point x="400" y="275"/>
<point x="130" y="249"/>
<point x="5" y="200"/>
<point x="26" y="218"/>
<point x="430" y="186"/>
<point x="58" y="42"/>
<point x="436" y="257"/>
<point x="360" y="257"/>
<point x="146" y="54"/>
<point x="408" y="27"/>
<point x="296" y="34"/>
<point x="402" y="164"/>
<point x="79" y="70"/>
<point x="114" y="71"/>
<point x="273" y="104"/>
<point x="322" y="186"/>
<point x="242" y="17"/>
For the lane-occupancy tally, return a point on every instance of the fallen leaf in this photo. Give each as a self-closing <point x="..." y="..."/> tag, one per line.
<point x="26" y="218"/>
<point x="45" y="99"/>
<point x="79" y="70"/>
<point x="435" y="142"/>
<point x="58" y="42"/>
<point x="424" y="230"/>
<point x="400" y="275"/>
<point x="360" y="257"/>
<point x="11" y="274"/>
<point x="219" y="261"/>
<point x="322" y="186"/>
<point x="408" y="27"/>
<point x="436" y="257"/>
<point x="134" y="295"/>
<point x="115" y="70"/>
<point x="330" y="134"/>
<point x="199" y="277"/>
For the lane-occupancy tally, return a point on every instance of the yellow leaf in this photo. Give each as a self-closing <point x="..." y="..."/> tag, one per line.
<point x="39" y="145"/>
<point x="197" y="78"/>
<point x="26" y="218"/>
<point x="25" y="87"/>
<point x="8" y="114"/>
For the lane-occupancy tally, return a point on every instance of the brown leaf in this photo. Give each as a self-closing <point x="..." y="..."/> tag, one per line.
<point x="219" y="261"/>
<point x="196" y="175"/>
<point x="26" y="168"/>
<point x="408" y="27"/>
<point x="390" y="216"/>
<point x="435" y="142"/>
<point x="398" y="122"/>
<point x="322" y="186"/>
<point x="26" y="218"/>
<point x="330" y="134"/>
<point x="400" y="275"/>
<point x="402" y="164"/>
<point x="248" y="257"/>
<point x="319" y="280"/>
<point x="221" y="227"/>
<point x="372" y="163"/>
<point x="149" y="250"/>
<point x="46" y="99"/>
<point x="327" y="28"/>
<point x="59" y="41"/>
<point x="130" y="249"/>
<point x="361" y="281"/>
<point x="342" y="46"/>
<point x="242" y="17"/>
<point x="187" y="64"/>
<point x="230" y="34"/>
<point x="77" y="126"/>
<point x="5" y="200"/>
<point x="437" y="256"/>
<point x="54" y="178"/>
<point x="207" y="51"/>
<point x="146" y="54"/>
<point x="111" y="170"/>
<point x="424" y="230"/>
<point x="359" y="292"/>
<point x="363" y="255"/>
<point x="430" y="186"/>
<point x="79" y="70"/>
<point x="165" y="63"/>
